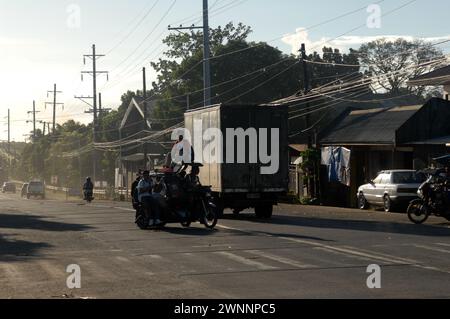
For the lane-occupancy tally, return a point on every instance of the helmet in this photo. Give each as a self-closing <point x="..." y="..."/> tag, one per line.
<point x="88" y="178"/>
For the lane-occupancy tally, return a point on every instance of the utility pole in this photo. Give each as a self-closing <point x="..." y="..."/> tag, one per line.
<point x="34" y="119"/>
<point x="54" y="103"/>
<point x="94" y="57"/>
<point x="306" y="89"/>
<point x="206" y="52"/>
<point x="144" y="90"/>
<point x="9" y="132"/>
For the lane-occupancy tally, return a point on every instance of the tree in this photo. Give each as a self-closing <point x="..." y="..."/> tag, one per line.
<point x="401" y="59"/>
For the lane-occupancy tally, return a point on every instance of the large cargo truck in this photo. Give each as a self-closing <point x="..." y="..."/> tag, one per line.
<point x="244" y="150"/>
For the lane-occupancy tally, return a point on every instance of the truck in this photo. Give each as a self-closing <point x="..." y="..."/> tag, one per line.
<point x="244" y="152"/>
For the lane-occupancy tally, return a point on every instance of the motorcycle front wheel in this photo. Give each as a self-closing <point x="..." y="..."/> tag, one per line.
<point x="209" y="217"/>
<point x="417" y="212"/>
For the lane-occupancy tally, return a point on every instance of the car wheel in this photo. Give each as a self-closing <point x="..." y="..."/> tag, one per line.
<point x="362" y="202"/>
<point x="387" y="204"/>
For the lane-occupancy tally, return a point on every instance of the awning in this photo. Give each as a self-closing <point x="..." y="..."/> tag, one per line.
<point x="299" y="147"/>
<point x="445" y="140"/>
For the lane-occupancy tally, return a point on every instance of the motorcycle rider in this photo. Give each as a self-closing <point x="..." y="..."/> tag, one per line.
<point x="88" y="187"/>
<point x="144" y="188"/>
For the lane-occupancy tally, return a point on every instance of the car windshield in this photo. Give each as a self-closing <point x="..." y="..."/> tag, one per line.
<point x="408" y="178"/>
<point x="36" y="184"/>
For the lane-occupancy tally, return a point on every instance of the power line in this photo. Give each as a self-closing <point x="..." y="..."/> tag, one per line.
<point x="147" y="13"/>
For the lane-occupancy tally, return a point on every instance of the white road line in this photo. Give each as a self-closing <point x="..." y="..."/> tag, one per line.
<point x="11" y="272"/>
<point x="53" y="270"/>
<point x="388" y="259"/>
<point x="280" y="259"/>
<point x="439" y="250"/>
<point x="332" y="251"/>
<point x="212" y="246"/>
<point x="125" y="209"/>
<point x="246" y="261"/>
<point x="158" y="257"/>
<point x="442" y="244"/>
<point x="123" y="259"/>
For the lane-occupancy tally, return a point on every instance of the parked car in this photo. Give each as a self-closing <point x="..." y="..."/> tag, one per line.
<point x="9" y="187"/>
<point x="390" y="189"/>
<point x="24" y="190"/>
<point x="36" y="189"/>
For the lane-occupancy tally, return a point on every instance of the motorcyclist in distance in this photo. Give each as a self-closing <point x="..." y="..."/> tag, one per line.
<point x="88" y="187"/>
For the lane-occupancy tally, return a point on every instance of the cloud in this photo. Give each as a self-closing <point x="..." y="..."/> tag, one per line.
<point x="343" y="43"/>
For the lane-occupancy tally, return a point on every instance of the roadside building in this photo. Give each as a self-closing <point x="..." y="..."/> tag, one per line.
<point x="131" y="158"/>
<point x="398" y="137"/>
<point x="438" y="77"/>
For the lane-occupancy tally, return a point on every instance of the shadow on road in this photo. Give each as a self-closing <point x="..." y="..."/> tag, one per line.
<point x="19" y="221"/>
<point x="357" y="225"/>
<point x="192" y="231"/>
<point x="12" y="250"/>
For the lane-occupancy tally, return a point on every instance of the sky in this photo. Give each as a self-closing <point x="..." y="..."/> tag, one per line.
<point x="43" y="42"/>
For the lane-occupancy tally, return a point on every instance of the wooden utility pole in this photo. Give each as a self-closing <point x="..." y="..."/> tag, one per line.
<point x="9" y="132"/>
<point x="306" y="89"/>
<point x="94" y="57"/>
<point x="34" y="119"/>
<point x="206" y="53"/>
<point x="54" y="103"/>
<point x="144" y="90"/>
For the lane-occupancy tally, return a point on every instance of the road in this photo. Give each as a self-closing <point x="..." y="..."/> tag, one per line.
<point x="304" y="252"/>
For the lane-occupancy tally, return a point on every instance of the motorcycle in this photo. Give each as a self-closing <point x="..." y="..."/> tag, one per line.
<point x="433" y="199"/>
<point x="88" y="196"/>
<point x="181" y="205"/>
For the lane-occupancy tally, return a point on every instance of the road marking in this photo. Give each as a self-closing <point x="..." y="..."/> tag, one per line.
<point x="125" y="209"/>
<point x="351" y="251"/>
<point x="280" y="259"/>
<point x="123" y="259"/>
<point x="442" y="244"/>
<point x="11" y="272"/>
<point x="154" y="257"/>
<point x="332" y="251"/>
<point x="52" y="270"/>
<point x="439" y="250"/>
<point x="212" y="246"/>
<point x="246" y="261"/>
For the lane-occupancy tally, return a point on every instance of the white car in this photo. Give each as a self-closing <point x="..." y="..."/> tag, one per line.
<point x="390" y="189"/>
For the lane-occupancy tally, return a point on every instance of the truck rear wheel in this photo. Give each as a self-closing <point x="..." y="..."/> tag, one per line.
<point x="264" y="212"/>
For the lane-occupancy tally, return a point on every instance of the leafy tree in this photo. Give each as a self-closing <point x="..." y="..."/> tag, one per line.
<point x="382" y="56"/>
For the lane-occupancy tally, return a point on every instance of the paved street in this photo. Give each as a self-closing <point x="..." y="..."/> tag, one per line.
<point x="304" y="252"/>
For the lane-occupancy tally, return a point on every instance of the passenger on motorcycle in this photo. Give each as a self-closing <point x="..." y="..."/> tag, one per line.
<point x="146" y="199"/>
<point x="134" y="191"/>
<point x="192" y="178"/>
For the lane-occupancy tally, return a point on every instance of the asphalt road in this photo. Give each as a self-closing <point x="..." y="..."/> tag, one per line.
<point x="304" y="252"/>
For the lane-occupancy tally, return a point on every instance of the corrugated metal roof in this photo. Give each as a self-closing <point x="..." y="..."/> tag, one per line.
<point x="369" y="127"/>
<point x="437" y="77"/>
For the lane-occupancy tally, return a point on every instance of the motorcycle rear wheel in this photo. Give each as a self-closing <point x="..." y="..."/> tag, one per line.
<point x="417" y="213"/>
